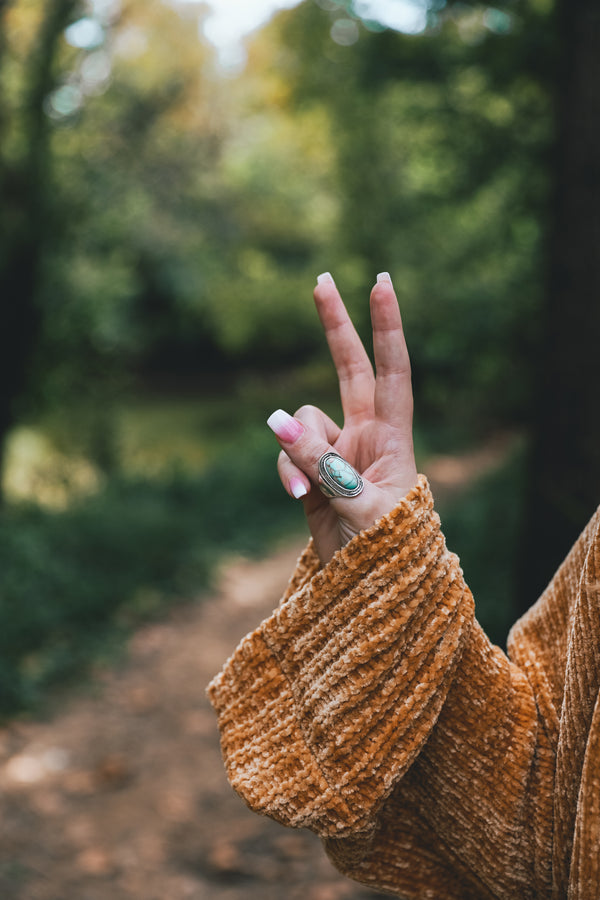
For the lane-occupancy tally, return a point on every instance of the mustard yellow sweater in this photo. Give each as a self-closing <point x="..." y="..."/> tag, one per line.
<point x="371" y="708"/>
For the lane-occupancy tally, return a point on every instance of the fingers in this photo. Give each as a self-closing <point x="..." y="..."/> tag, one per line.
<point x="304" y="446"/>
<point x="319" y="422"/>
<point x="296" y="482"/>
<point x="388" y="396"/>
<point x="350" y="358"/>
<point x="393" y="390"/>
<point x="294" y="479"/>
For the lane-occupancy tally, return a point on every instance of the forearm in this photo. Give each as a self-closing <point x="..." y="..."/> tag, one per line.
<point x="333" y="697"/>
<point x="469" y="817"/>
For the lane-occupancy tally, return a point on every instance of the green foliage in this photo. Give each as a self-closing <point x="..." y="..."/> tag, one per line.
<point x="190" y="212"/>
<point x="441" y="145"/>
<point x="482" y="526"/>
<point x="186" y="215"/>
<point x="73" y="580"/>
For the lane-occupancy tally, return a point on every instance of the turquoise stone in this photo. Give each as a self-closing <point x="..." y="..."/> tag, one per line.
<point x="342" y="473"/>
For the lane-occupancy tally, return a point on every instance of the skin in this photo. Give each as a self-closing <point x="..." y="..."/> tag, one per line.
<point x="376" y="437"/>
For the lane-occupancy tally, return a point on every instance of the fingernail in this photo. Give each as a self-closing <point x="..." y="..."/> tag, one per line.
<point x="298" y="488"/>
<point x="384" y="276"/>
<point x="285" y="427"/>
<point x="325" y="278"/>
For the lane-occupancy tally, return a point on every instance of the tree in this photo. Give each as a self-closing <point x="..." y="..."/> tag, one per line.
<point x="106" y="173"/>
<point x="24" y="224"/>
<point x="564" y="471"/>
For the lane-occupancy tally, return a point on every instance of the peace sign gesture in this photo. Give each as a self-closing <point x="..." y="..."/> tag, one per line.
<point x="376" y="438"/>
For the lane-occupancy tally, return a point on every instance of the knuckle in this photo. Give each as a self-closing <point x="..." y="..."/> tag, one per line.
<point x="306" y="412"/>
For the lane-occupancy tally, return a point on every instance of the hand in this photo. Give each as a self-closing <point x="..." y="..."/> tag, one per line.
<point x="377" y="434"/>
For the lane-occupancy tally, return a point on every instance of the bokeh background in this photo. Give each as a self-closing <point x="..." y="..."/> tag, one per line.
<point x="171" y="187"/>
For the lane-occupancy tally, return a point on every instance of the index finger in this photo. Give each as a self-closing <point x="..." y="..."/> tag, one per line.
<point x="393" y="389"/>
<point x="353" y="366"/>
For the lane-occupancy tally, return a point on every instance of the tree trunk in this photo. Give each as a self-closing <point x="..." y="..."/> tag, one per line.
<point x="24" y="220"/>
<point x="564" y="477"/>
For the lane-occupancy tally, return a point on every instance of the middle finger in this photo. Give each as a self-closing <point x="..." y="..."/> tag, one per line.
<point x="353" y="366"/>
<point x="393" y="391"/>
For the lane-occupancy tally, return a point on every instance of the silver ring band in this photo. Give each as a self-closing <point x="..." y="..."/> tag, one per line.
<point x="337" y="478"/>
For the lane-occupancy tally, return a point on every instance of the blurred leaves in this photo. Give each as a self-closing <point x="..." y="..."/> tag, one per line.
<point x="192" y="210"/>
<point x="162" y="225"/>
<point x="74" y="578"/>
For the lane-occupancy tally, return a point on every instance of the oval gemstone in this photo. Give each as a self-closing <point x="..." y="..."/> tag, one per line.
<point x="342" y="473"/>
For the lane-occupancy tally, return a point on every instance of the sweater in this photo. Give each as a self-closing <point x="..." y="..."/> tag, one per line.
<point x="371" y="708"/>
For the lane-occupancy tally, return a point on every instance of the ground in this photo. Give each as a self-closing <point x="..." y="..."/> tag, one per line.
<point x="119" y="793"/>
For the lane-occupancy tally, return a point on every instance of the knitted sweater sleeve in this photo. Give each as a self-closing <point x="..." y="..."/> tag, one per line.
<point x="371" y="708"/>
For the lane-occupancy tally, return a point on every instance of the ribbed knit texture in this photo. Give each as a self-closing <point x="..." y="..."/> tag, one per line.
<point x="371" y="708"/>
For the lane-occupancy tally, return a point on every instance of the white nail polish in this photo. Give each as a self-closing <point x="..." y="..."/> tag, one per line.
<point x="297" y="488"/>
<point x="325" y="278"/>
<point x="384" y="276"/>
<point x="285" y="426"/>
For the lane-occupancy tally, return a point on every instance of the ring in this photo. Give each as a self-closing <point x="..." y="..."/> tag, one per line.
<point x="337" y="478"/>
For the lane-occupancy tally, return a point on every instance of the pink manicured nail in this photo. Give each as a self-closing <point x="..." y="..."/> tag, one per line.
<point x="325" y="278"/>
<point x="384" y="276"/>
<point x="285" y="427"/>
<point x="298" y="488"/>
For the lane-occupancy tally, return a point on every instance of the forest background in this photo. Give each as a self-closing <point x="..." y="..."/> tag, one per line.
<point x="162" y="223"/>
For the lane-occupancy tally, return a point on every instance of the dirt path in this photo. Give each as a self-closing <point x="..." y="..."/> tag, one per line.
<point x="121" y="794"/>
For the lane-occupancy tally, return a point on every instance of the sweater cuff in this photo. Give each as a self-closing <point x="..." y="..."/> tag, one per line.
<point x="328" y="703"/>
